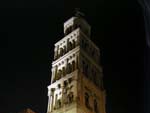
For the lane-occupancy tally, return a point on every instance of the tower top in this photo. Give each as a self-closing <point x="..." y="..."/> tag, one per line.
<point x="77" y="21"/>
<point x="78" y="13"/>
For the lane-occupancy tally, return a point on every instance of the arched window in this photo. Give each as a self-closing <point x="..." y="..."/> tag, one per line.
<point x="59" y="74"/>
<point x="93" y="53"/>
<point x="55" y="74"/>
<point x="82" y="43"/>
<point x="94" y="76"/>
<point x="74" y="44"/>
<point x="79" y="26"/>
<point x="65" y="84"/>
<point x="86" y="70"/>
<point x="73" y="66"/>
<point x="71" y="29"/>
<point x="56" y="52"/>
<point x="67" y="31"/>
<point x="75" y="26"/>
<point x="70" y="97"/>
<point x="58" y="103"/>
<point x="63" y="71"/>
<point x="95" y="106"/>
<point x="56" y="97"/>
<point x="83" y="66"/>
<point x="65" y="50"/>
<point x="61" y="52"/>
<point x="70" y="46"/>
<point x="69" y="68"/>
<point x="91" y="77"/>
<point x="87" y="104"/>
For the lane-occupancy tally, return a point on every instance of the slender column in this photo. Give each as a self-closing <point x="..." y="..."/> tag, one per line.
<point x="76" y="62"/>
<point x="53" y="75"/>
<point x="68" y="47"/>
<point x="56" y="98"/>
<point x="49" y="101"/>
<point x="55" y="53"/>
<point x="48" y="108"/>
<point x="52" y="99"/>
<point x="62" y="98"/>
<point x="77" y="41"/>
<point x="66" y="66"/>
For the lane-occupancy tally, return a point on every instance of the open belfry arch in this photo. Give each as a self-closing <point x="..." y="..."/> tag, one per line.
<point x="76" y="80"/>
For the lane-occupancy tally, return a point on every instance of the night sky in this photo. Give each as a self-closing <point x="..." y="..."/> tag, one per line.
<point x="29" y="30"/>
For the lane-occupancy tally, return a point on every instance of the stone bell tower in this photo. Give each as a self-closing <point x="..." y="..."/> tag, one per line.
<point x="76" y="80"/>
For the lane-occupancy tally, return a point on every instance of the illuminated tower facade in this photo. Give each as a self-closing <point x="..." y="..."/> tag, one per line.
<point x="76" y="80"/>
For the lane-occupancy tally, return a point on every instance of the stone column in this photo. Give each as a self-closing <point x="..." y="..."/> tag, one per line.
<point x="55" y="53"/>
<point x="48" y="108"/>
<point x="56" y="72"/>
<point x="62" y="98"/>
<point x="67" y="45"/>
<point x="77" y="41"/>
<point x="66" y="66"/>
<point x="52" y="100"/>
<point x="52" y="76"/>
<point x="76" y="62"/>
<point x="49" y="101"/>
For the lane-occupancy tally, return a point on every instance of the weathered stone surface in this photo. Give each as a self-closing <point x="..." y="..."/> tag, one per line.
<point x="76" y="81"/>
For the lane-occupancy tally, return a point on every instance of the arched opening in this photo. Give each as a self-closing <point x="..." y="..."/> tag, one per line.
<point x="70" y="97"/>
<point x="70" y="46"/>
<point x="69" y="68"/>
<point x="73" y="65"/>
<point x="74" y="44"/>
<point x="75" y="26"/>
<point x="95" y="106"/>
<point x="86" y="70"/>
<point x="64" y="71"/>
<point x="61" y="52"/>
<point x="56" y="97"/>
<point x="65" y="50"/>
<point x="55" y="73"/>
<point x="59" y="74"/>
<point x="86" y="98"/>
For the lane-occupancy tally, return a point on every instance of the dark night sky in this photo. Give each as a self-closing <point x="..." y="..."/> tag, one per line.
<point x="29" y="29"/>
